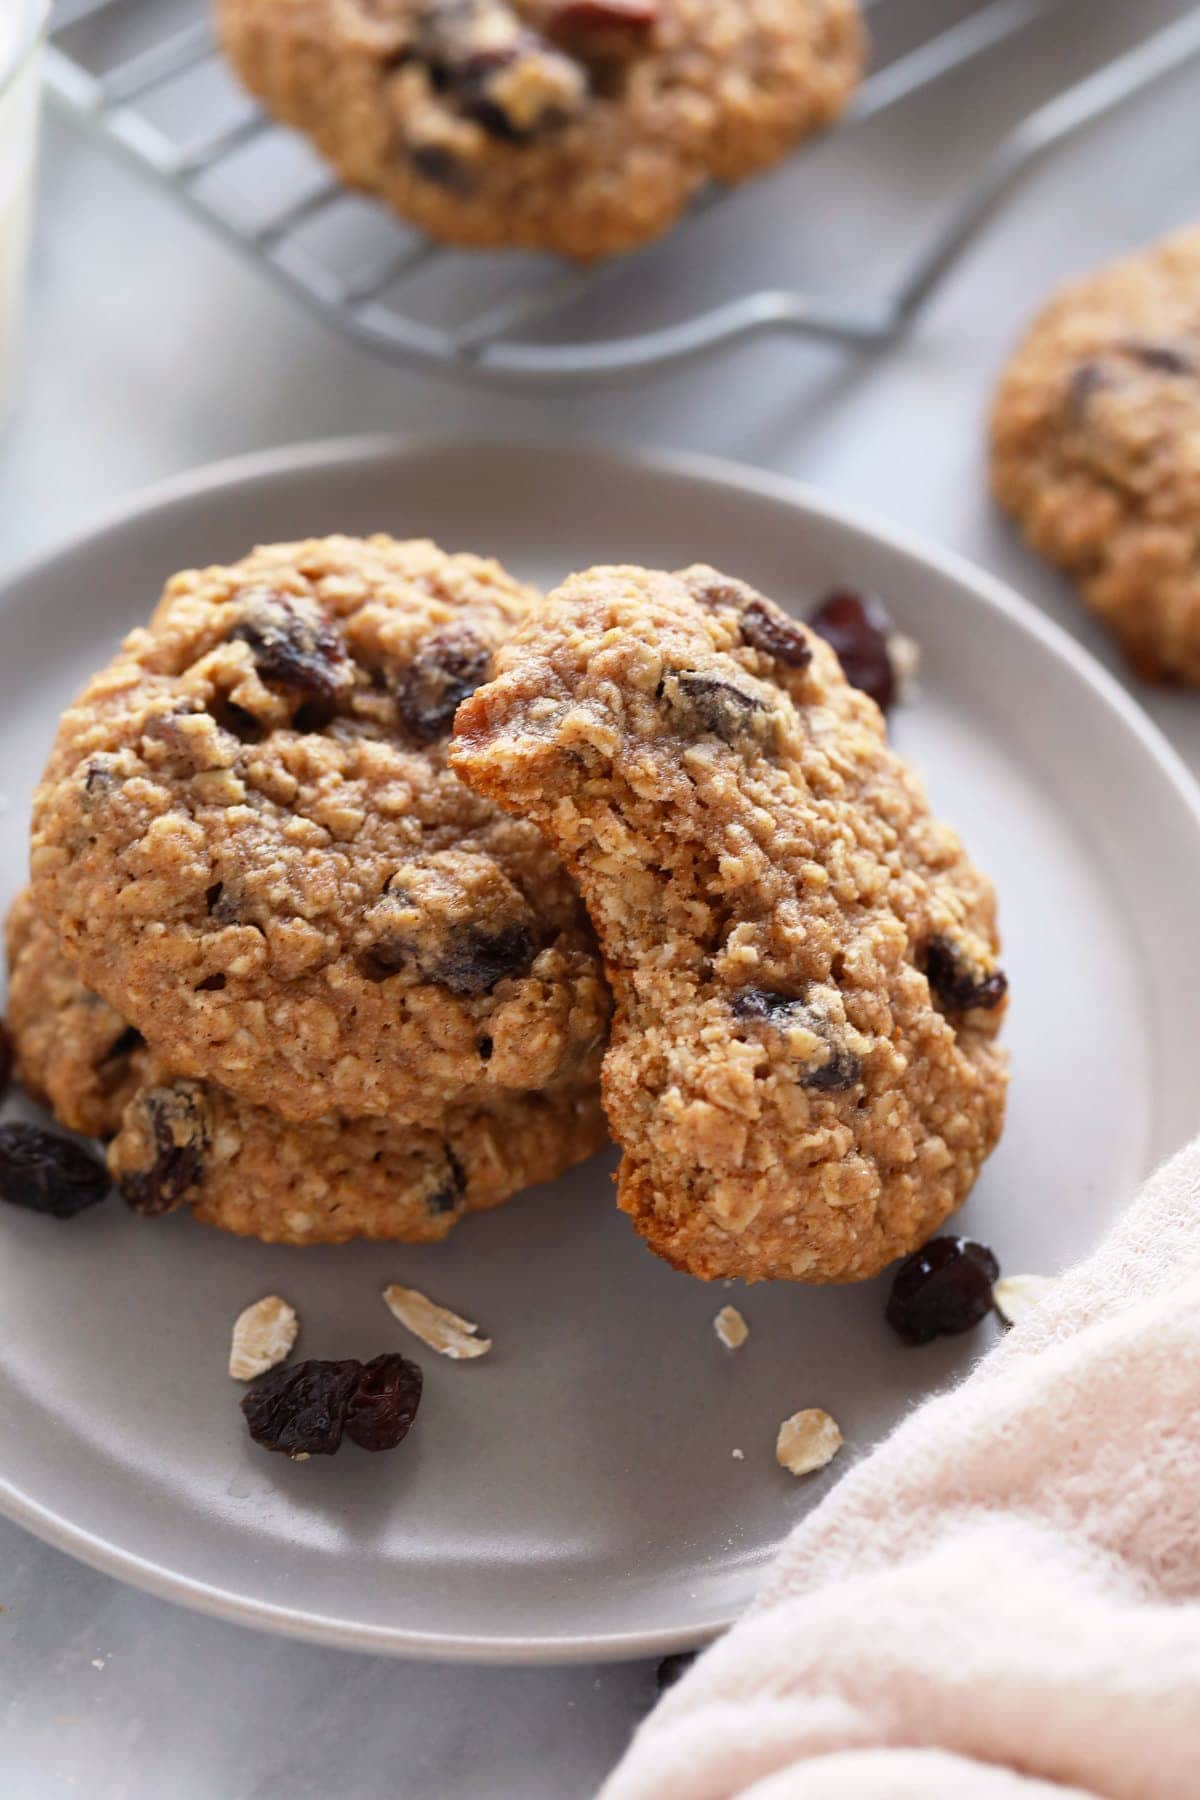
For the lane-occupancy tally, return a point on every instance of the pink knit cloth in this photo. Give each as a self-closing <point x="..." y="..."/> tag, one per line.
<point x="1003" y="1601"/>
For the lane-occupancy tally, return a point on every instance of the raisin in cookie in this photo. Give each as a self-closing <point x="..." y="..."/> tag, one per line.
<point x="803" y="1073"/>
<point x="249" y="842"/>
<point x="178" y="1142"/>
<point x="1096" y="448"/>
<point x="583" y="126"/>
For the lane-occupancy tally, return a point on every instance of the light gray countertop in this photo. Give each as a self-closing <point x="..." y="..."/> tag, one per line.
<point x="152" y="349"/>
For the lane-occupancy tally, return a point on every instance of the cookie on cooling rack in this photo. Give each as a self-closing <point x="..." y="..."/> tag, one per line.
<point x="804" y="1074"/>
<point x="1096" y="448"/>
<point x="582" y="126"/>
<point x="249" y="842"/>
<point x="176" y="1142"/>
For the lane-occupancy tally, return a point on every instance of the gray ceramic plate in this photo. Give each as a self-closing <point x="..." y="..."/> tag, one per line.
<point x="576" y="1493"/>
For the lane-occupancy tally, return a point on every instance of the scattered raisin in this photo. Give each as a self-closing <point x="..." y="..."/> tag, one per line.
<point x="174" y="1139"/>
<point x="301" y="1410"/>
<point x="858" y="626"/>
<point x="768" y="628"/>
<point x="384" y="1402"/>
<point x="954" y="982"/>
<point x="46" y="1173"/>
<point x="305" y="1409"/>
<point x="6" y="1059"/>
<point x="294" y="646"/>
<point x="448" y="666"/>
<point x="673" y="1668"/>
<point x="477" y="958"/>
<point x="942" y="1289"/>
<point x="712" y="703"/>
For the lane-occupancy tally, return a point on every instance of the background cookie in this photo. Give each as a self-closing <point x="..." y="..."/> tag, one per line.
<point x="249" y="842"/>
<point x="1096" y="448"/>
<point x="576" y="125"/>
<point x="177" y="1142"/>
<point x="803" y="1074"/>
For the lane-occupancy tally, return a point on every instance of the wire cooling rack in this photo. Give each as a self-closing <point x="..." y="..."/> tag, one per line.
<point x="147" y="75"/>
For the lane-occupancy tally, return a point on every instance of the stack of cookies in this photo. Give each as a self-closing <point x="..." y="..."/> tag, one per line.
<point x="299" y="975"/>
<point x="337" y="865"/>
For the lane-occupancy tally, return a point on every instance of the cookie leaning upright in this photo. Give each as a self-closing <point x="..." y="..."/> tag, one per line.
<point x="249" y="843"/>
<point x="1096" y="448"/>
<point x="583" y="126"/>
<point x="803" y="1072"/>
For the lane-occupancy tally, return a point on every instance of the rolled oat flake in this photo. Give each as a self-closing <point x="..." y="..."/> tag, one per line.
<point x="807" y="1441"/>
<point x="443" y="1330"/>
<point x="264" y="1335"/>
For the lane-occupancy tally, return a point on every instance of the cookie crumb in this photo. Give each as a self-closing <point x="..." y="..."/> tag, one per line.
<point x="1016" y="1295"/>
<point x="731" y="1328"/>
<point x="807" y="1441"/>
<point x="264" y="1335"/>
<point x="435" y="1325"/>
<point x="905" y="653"/>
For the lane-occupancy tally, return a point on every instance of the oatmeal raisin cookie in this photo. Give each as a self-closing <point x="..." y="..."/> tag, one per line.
<point x="583" y="126"/>
<point x="803" y="1074"/>
<point x="1096" y="448"/>
<point x="248" y="841"/>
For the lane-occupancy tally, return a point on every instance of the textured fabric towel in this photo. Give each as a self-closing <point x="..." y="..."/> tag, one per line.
<point x="1003" y="1601"/>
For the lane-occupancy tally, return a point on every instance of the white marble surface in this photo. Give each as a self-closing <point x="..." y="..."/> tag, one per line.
<point x="152" y="349"/>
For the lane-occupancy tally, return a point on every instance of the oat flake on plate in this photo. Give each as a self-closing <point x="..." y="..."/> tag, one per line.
<point x="443" y="1330"/>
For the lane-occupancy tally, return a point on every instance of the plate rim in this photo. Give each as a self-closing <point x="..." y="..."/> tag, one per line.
<point x="800" y="498"/>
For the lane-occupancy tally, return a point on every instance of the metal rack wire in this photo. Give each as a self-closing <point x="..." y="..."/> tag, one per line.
<point x="122" y="99"/>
